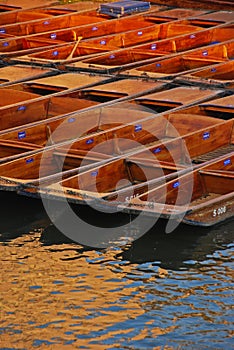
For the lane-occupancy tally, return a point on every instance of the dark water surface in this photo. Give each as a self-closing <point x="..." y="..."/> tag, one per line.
<point x="160" y="292"/>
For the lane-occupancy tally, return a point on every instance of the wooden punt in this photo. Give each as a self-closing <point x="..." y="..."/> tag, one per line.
<point x="139" y="29"/>
<point x="121" y="25"/>
<point x="142" y="25"/>
<point x="60" y="82"/>
<point x="123" y="178"/>
<point x="194" y="146"/>
<point x="29" y="169"/>
<point x="31" y="43"/>
<point x="99" y="146"/>
<point x="111" y="137"/>
<point x="19" y="73"/>
<point x="177" y="97"/>
<point x="26" y="15"/>
<point x="79" y="18"/>
<point x="224" y="105"/>
<point x="183" y="53"/>
<point x="216" y="17"/>
<point x="217" y="108"/>
<point x="86" y="29"/>
<point x="220" y="75"/>
<point x="171" y="96"/>
<point x="203" y="197"/>
<point x="37" y="89"/>
<point x="54" y="105"/>
<point x="186" y="63"/>
<point x="30" y="14"/>
<point x="133" y="175"/>
<point x="126" y="34"/>
<point x="46" y="24"/>
<point x="120" y="123"/>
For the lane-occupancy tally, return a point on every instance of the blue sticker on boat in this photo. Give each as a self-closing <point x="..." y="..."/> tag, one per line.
<point x="5" y="44"/>
<point x="176" y="184"/>
<point x="157" y="150"/>
<point x="89" y="141"/>
<point x="139" y="33"/>
<point x="227" y="162"/>
<point x="112" y="56"/>
<point x="205" y="53"/>
<point x="95" y="28"/>
<point x="103" y="42"/>
<point x="46" y="22"/>
<point x="213" y="70"/>
<point x="94" y="173"/>
<point x="30" y="160"/>
<point x="158" y="65"/>
<point x="138" y="127"/>
<point x="206" y="135"/>
<point x="71" y="120"/>
<point x="192" y="36"/>
<point x="21" y="108"/>
<point x="55" y="53"/>
<point x="153" y="46"/>
<point x="21" y="134"/>
<point x="2" y="30"/>
<point x="53" y="36"/>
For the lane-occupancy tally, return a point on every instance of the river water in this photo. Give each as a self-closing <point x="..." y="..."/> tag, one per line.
<point x="171" y="291"/>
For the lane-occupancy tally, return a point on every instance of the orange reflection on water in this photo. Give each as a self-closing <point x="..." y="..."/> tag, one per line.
<point x="55" y="294"/>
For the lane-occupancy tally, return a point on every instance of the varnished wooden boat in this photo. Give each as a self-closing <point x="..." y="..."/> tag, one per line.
<point x="18" y="112"/>
<point x="124" y="125"/>
<point x="218" y="108"/>
<point x="45" y="24"/>
<point x="161" y="188"/>
<point x="124" y="178"/>
<point x="203" y="197"/>
<point x="161" y="58"/>
<point x="165" y="154"/>
<point x="142" y="25"/>
<point x="219" y="75"/>
<point x="195" y="147"/>
<point x="189" y="62"/>
<point x="78" y="18"/>
<point x="125" y="24"/>
<point x="104" y="146"/>
<point x="18" y="73"/>
<point x="29" y="14"/>
<point x="124" y="33"/>
<point x="16" y="98"/>
<point x="156" y="15"/>
<point x="58" y="83"/>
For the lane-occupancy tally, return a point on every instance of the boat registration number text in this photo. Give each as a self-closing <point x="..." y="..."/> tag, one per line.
<point x="219" y="211"/>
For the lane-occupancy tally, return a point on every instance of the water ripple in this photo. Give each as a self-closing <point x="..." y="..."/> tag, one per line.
<point x="173" y="292"/>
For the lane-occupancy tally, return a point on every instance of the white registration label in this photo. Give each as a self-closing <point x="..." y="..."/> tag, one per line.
<point x="219" y="211"/>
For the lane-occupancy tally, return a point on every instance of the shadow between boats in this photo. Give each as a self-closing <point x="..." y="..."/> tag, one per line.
<point x="185" y="247"/>
<point x="19" y="215"/>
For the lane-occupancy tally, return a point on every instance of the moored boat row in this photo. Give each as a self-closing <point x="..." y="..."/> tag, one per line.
<point x="133" y="113"/>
